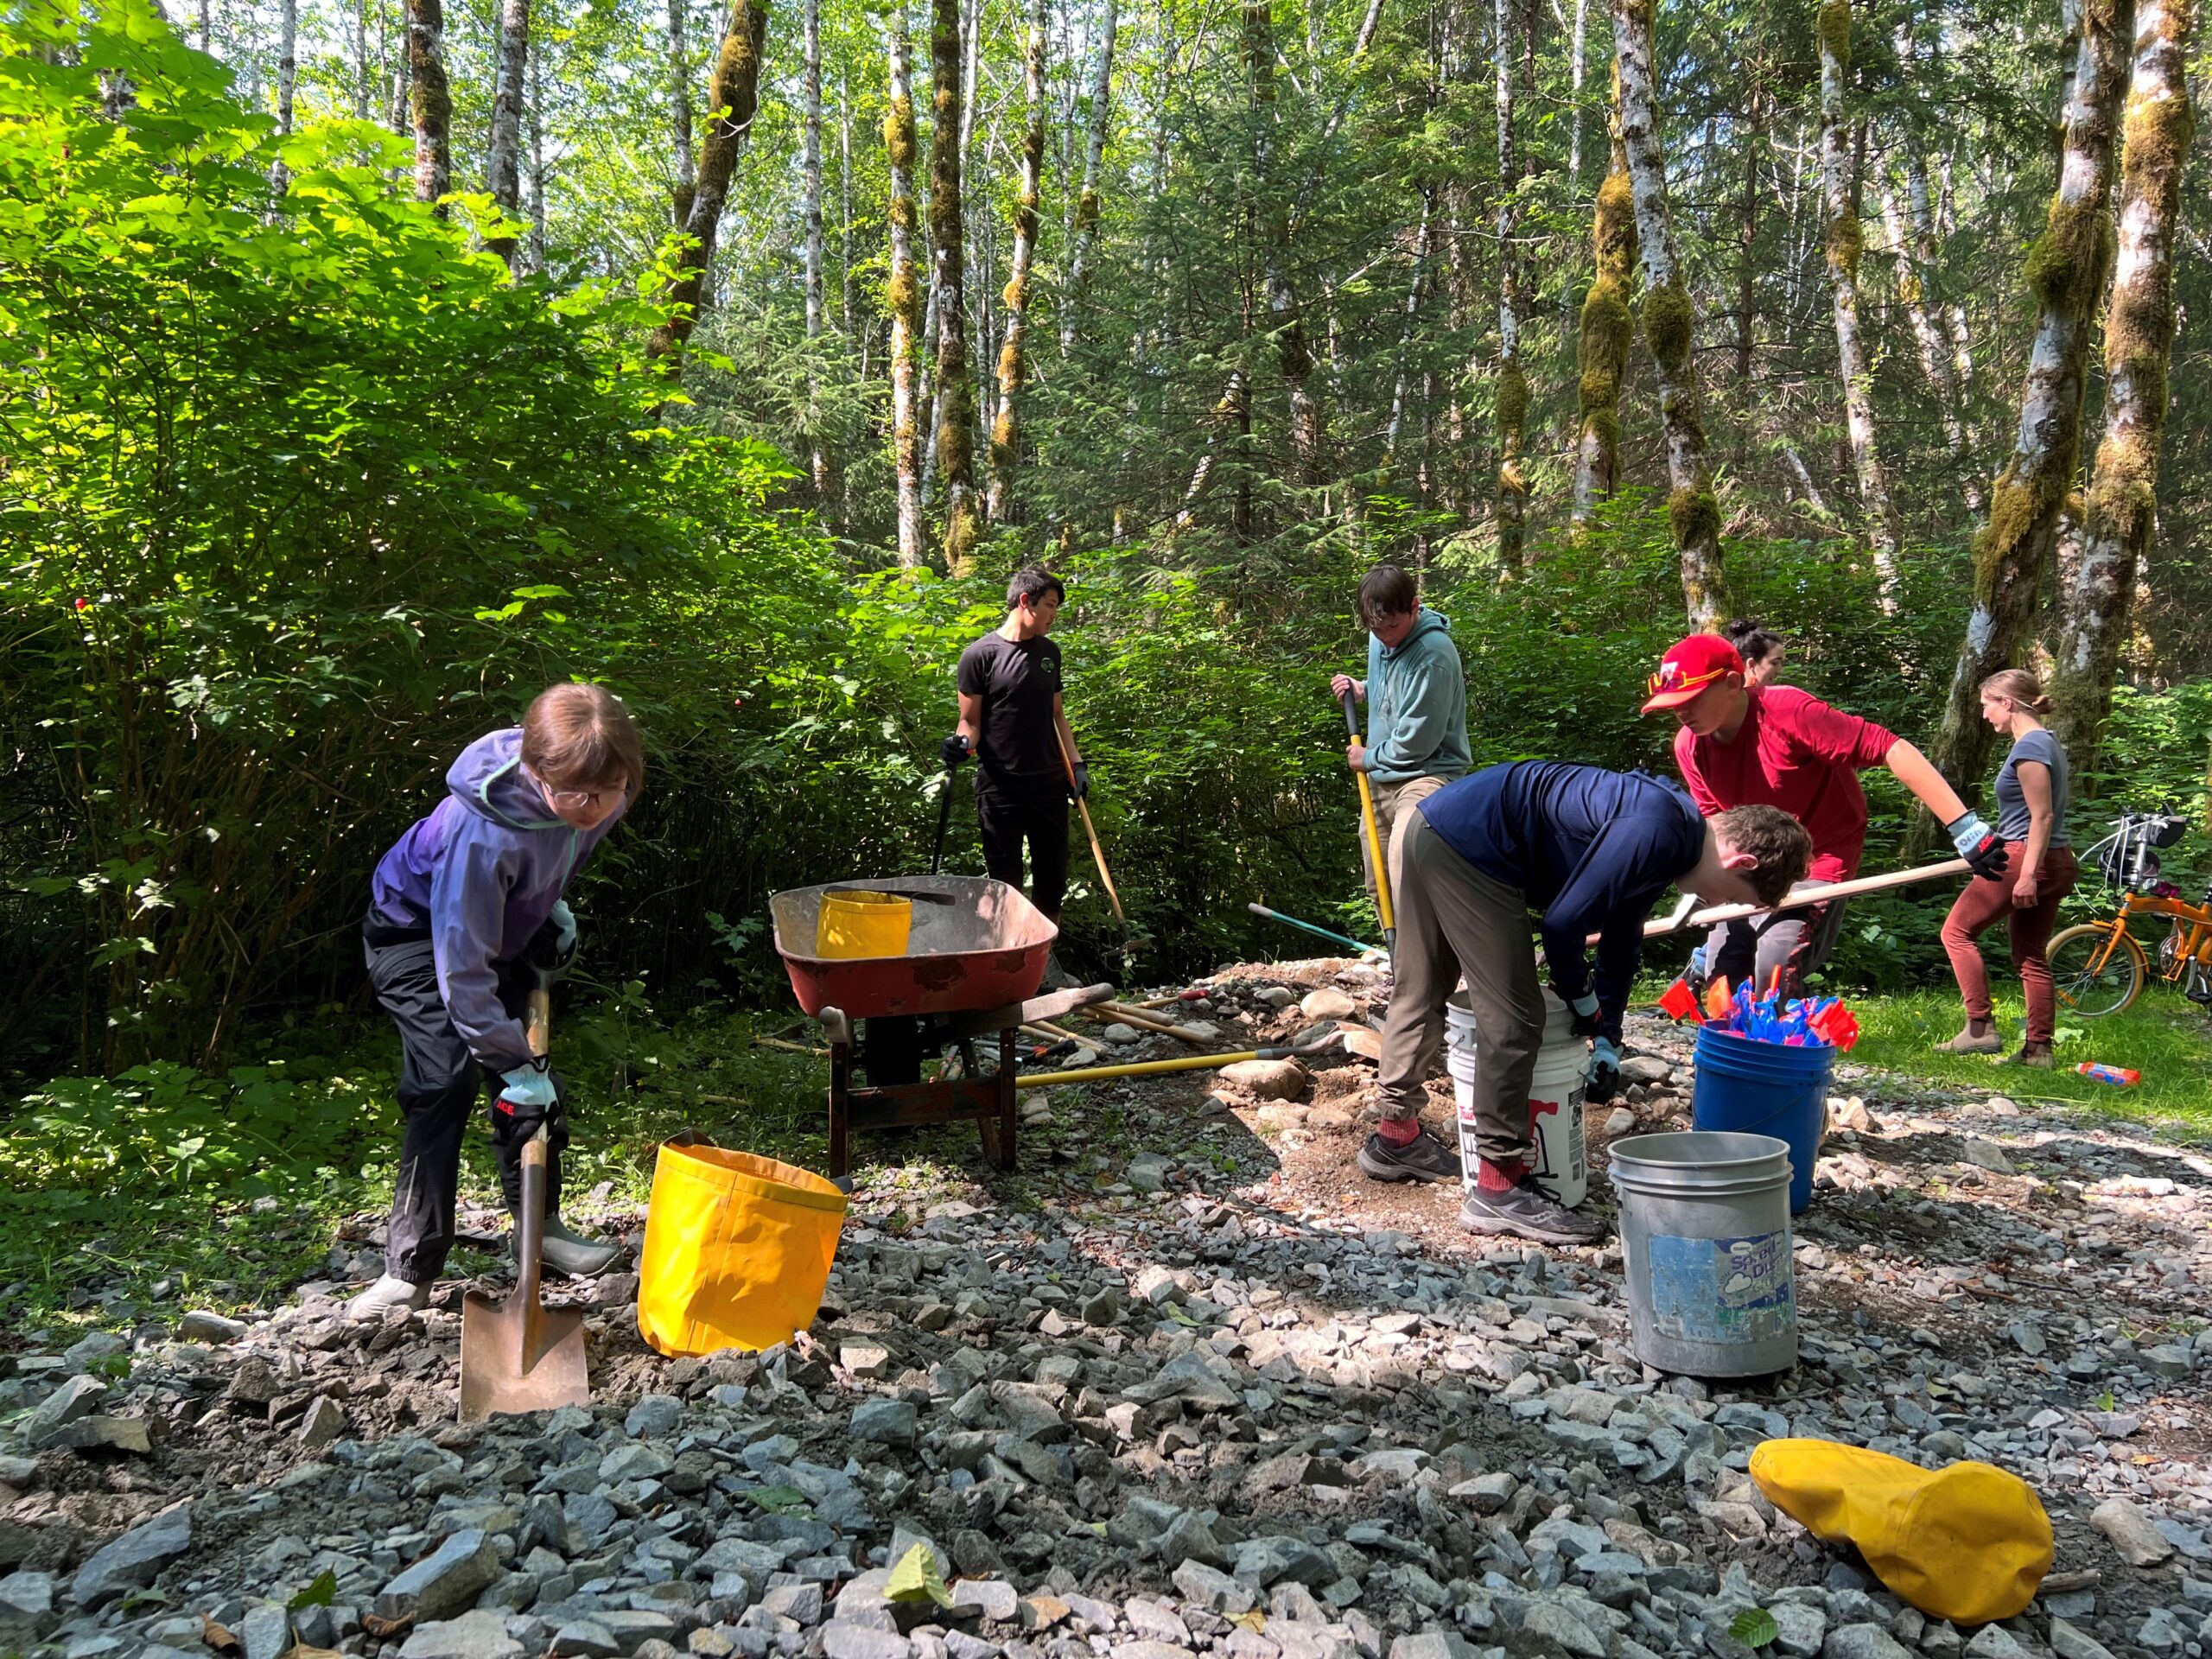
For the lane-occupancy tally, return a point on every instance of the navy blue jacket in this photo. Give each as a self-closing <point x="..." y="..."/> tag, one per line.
<point x="1592" y="849"/>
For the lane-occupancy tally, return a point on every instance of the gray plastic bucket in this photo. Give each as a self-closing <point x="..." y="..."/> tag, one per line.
<point x="1705" y="1232"/>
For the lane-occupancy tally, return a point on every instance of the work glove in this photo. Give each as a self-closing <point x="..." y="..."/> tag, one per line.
<point x="953" y="750"/>
<point x="1081" y="786"/>
<point x="528" y="1096"/>
<point x="1603" y="1081"/>
<point x="1978" y="844"/>
<point x="1585" y="1023"/>
<point x="552" y="949"/>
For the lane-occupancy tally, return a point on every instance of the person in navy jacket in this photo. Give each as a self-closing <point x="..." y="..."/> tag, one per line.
<point x="1589" y="852"/>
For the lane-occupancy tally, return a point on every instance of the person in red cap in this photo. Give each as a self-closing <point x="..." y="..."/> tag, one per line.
<point x="1743" y="745"/>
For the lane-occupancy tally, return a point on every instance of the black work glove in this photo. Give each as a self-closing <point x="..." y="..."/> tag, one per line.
<point x="1602" y="1080"/>
<point x="953" y="750"/>
<point x="552" y="949"/>
<point x="514" y="1120"/>
<point x="1585" y="1020"/>
<point x="1978" y="845"/>
<point x="1081" y="786"/>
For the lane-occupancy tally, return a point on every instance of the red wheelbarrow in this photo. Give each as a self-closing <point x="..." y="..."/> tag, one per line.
<point x="975" y="956"/>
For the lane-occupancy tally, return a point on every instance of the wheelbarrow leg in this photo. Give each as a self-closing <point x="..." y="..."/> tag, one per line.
<point x="841" y="1129"/>
<point x="1005" y="1148"/>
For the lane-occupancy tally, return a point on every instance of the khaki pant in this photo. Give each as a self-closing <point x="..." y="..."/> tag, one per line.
<point x="1394" y="809"/>
<point x="1454" y="919"/>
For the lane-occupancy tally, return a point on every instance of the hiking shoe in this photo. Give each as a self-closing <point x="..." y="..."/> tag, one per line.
<point x="386" y="1294"/>
<point x="1424" y="1158"/>
<point x="571" y="1254"/>
<point x="2035" y="1054"/>
<point x="1524" y="1211"/>
<point x="1966" y="1043"/>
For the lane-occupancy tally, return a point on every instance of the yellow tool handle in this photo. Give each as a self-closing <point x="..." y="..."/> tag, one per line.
<point x="1374" y="837"/>
<point x="1097" y="852"/>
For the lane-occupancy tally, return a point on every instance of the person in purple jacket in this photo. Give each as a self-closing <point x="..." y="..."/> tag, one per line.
<point x="464" y="911"/>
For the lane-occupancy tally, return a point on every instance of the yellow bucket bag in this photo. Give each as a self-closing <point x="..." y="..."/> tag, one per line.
<point x="1967" y="1543"/>
<point x="738" y="1249"/>
<point x="854" y="923"/>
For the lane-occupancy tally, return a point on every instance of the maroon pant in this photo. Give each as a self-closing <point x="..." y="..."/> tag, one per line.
<point x="1980" y="905"/>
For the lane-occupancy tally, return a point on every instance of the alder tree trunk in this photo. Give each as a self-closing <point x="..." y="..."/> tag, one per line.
<point x="431" y="104"/>
<point x="1400" y="388"/>
<point x="1013" y="354"/>
<point x="1574" y="71"/>
<point x="903" y="299"/>
<point x="2066" y="270"/>
<point x="1512" y="387"/>
<point x="733" y="97"/>
<point x="1934" y="344"/>
<point x="1285" y="324"/>
<point x="679" y="109"/>
<point x="955" y="392"/>
<point x="1084" y="234"/>
<point x="362" y="96"/>
<point x="817" y="311"/>
<point x="503" y="156"/>
<point x="2119" y="512"/>
<point x="1669" y="322"/>
<point x="537" y="155"/>
<point x="288" y="74"/>
<point x="1608" y="331"/>
<point x="1838" y="173"/>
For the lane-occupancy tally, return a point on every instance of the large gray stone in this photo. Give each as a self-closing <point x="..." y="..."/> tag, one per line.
<point x="478" y="1634"/>
<point x="26" y="1606"/>
<point x="634" y="1462"/>
<point x="1212" y="1589"/>
<point x="1799" y="1630"/>
<point x="202" y="1326"/>
<point x="1548" y="1621"/>
<point x="72" y="1400"/>
<point x="1153" y="1623"/>
<point x="2139" y="1543"/>
<point x="1862" y="1641"/>
<point x="445" y="1582"/>
<point x="841" y="1640"/>
<point x="992" y="1599"/>
<point x="654" y="1417"/>
<point x="266" y="1630"/>
<point x="1263" y="1562"/>
<point x="133" y="1562"/>
<point x="885" y="1422"/>
<point x="2069" y="1641"/>
<point x="1994" y="1641"/>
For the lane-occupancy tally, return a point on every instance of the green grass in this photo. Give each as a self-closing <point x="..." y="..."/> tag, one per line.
<point x="2165" y="1037"/>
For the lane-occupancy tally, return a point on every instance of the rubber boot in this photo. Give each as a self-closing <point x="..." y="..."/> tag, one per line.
<point x="571" y="1256"/>
<point x="386" y="1294"/>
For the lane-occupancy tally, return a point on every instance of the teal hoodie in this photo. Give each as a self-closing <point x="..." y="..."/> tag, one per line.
<point x="1417" y="706"/>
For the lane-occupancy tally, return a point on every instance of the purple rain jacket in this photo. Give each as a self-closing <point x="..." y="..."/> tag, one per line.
<point x="482" y="873"/>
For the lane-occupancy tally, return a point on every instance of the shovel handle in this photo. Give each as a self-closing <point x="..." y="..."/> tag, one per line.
<point x="529" y="1225"/>
<point x="1351" y="719"/>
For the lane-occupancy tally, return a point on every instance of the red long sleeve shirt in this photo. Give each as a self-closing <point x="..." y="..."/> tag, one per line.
<point x="1795" y="751"/>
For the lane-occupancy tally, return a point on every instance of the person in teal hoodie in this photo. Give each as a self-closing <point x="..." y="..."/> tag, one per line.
<point x="1416" y="697"/>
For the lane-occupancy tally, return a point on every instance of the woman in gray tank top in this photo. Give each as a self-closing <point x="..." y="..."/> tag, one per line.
<point x="2032" y="794"/>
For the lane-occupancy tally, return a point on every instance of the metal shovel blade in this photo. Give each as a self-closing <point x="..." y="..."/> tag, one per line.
<point x="519" y="1354"/>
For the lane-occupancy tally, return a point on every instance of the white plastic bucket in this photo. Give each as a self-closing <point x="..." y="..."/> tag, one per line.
<point x="1562" y="1168"/>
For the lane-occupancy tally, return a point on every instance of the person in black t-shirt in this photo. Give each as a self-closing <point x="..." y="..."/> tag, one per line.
<point x="1012" y="722"/>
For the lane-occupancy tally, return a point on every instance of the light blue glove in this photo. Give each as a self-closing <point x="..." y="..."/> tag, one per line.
<point x="526" y="1085"/>
<point x="1697" y="963"/>
<point x="1602" y="1080"/>
<point x="1967" y="833"/>
<point x="564" y="928"/>
<point x="1585" y="1010"/>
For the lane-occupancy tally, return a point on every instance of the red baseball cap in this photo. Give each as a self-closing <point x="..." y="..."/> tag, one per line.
<point x="1689" y="667"/>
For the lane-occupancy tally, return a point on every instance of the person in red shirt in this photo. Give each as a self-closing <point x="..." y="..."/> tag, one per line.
<point x="1742" y="745"/>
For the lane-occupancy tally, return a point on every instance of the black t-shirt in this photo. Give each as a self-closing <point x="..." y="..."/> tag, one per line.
<point x="1017" y="682"/>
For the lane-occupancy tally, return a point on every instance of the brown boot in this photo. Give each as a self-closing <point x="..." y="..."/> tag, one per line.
<point x="2035" y="1054"/>
<point x="1979" y="1037"/>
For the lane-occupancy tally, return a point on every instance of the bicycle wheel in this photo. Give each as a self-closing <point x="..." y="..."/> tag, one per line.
<point x="2091" y="989"/>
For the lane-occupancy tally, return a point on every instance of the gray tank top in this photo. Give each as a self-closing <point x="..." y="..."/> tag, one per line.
<point x="2012" y="816"/>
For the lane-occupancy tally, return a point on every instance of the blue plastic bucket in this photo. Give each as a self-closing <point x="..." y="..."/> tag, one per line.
<point x="1750" y="1088"/>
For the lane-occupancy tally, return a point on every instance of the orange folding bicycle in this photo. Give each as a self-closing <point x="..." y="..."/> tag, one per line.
<point x="2100" y="967"/>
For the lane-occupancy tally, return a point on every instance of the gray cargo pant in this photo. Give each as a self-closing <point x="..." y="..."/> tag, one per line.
<point x="1453" y="919"/>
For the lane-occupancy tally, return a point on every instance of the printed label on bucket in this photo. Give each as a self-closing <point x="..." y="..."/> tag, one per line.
<point x="1727" y="1290"/>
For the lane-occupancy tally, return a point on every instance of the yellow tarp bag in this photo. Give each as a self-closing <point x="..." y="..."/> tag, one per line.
<point x="1967" y="1543"/>
<point x="857" y="924"/>
<point x="738" y="1249"/>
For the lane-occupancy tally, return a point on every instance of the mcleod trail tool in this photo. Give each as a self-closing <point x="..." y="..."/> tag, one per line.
<point x="1293" y="921"/>
<point x="1374" y="839"/>
<point x="519" y="1354"/>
